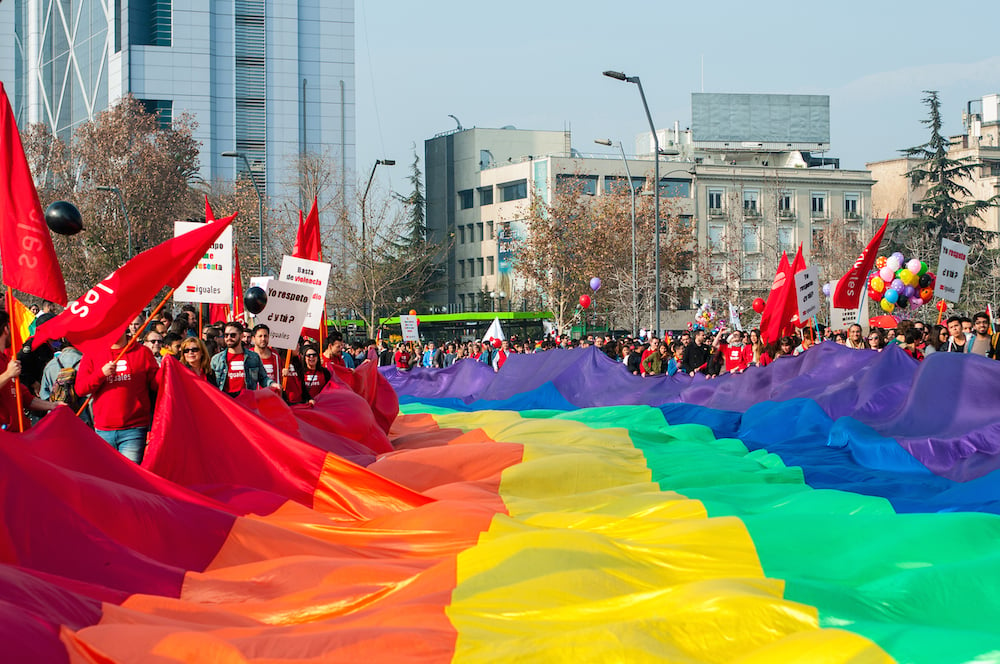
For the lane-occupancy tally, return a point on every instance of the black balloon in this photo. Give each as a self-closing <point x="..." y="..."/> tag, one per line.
<point x="255" y="299"/>
<point x="64" y="218"/>
<point x="925" y="280"/>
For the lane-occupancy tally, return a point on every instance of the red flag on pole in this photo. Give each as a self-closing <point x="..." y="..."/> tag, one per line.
<point x="28" y="257"/>
<point x="770" y="325"/>
<point x="851" y="286"/>
<point x="209" y="215"/>
<point x="101" y="315"/>
<point x="307" y="240"/>
<point x="791" y="300"/>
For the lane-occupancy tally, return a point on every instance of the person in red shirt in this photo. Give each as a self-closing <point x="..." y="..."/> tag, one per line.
<point x="316" y="375"/>
<point x="402" y="357"/>
<point x="735" y="356"/>
<point x="122" y="385"/>
<point x="654" y="347"/>
<point x="9" y="370"/>
<point x="292" y="384"/>
<point x="261" y="339"/>
<point x="334" y="351"/>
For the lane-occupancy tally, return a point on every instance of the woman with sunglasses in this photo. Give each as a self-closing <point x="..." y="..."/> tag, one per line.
<point x="315" y="374"/>
<point x="194" y="356"/>
<point x="875" y="340"/>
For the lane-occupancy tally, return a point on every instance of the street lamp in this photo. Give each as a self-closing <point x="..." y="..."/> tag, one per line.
<point x="121" y="202"/>
<point x="260" y="206"/>
<point x="619" y="76"/>
<point x="635" y="277"/>
<point x="364" y="197"/>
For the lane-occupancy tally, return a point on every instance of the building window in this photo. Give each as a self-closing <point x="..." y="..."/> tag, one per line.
<point x="461" y="302"/>
<point x="481" y="266"/>
<point x="818" y="240"/>
<point x="685" y="260"/>
<point x="818" y="206"/>
<point x="716" y="234"/>
<point x="992" y="168"/>
<point x="465" y="200"/>
<point x="485" y="196"/>
<point x="490" y="265"/>
<point x="513" y="191"/>
<point x="461" y="269"/>
<point x="751" y="206"/>
<point x="618" y="184"/>
<point x="473" y="304"/>
<point x="715" y="201"/>
<point x="472" y="233"/>
<point x="786" y="238"/>
<point x="785" y="203"/>
<point x="489" y="229"/>
<point x="751" y="239"/>
<point x="851" y="205"/>
<point x="480" y="225"/>
<point x="751" y="269"/>
<point x="685" y="223"/>
<point x="670" y="188"/>
<point x="461" y="234"/>
<point x="576" y="185"/>
<point x="685" y="295"/>
<point x="717" y="269"/>
<point x="163" y="109"/>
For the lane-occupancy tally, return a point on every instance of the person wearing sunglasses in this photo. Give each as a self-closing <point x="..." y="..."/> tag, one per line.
<point x="238" y="368"/>
<point x="194" y="356"/>
<point x="154" y="342"/>
<point x="315" y="374"/>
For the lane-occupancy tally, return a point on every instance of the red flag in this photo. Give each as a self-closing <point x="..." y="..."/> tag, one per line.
<point x="102" y="314"/>
<point x="237" y="286"/>
<point x="791" y="300"/>
<point x="847" y="295"/>
<point x="209" y="215"/>
<point x="770" y="319"/>
<point x="28" y="257"/>
<point x="307" y="242"/>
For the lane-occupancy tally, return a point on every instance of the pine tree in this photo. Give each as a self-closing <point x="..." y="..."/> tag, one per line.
<point x="946" y="208"/>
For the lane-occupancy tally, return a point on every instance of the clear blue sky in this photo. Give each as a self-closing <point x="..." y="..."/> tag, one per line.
<point x="538" y="64"/>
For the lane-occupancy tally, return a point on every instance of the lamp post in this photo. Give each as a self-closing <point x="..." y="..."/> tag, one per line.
<point x="619" y="76"/>
<point x="260" y="206"/>
<point x="635" y="277"/>
<point x="364" y="216"/>
<point x="121" y="202"/>
<point x="364" y="197"/>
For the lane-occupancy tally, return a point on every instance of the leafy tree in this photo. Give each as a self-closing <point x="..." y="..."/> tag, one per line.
<point x="123" y="147"/>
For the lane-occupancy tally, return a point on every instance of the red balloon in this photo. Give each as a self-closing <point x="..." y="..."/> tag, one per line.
<point x="413" y="312"/>
<point x="585" y="301"/>
<point x="758" y="305"/>
<point x="941" y="306"/>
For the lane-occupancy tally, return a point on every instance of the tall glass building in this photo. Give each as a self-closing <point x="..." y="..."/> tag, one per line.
<point x="272" y="79"/>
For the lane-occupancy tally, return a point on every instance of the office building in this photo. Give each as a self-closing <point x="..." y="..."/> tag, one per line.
<point x="269" y="79"/>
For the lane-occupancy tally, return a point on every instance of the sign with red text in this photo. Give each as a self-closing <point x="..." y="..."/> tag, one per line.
<point x="951" y="271"/>
<point x="410" y="328"/>
<point x="211" y="280"/>
<point x="285" y="311"/>
<point x="310" y="273"/>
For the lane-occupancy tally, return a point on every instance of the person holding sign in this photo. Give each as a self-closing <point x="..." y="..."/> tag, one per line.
<point x="261" y="338"/>
<point x="238" y="368"/>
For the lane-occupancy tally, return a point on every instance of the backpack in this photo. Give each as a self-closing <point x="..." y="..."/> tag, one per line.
<point x="63" y="390"/>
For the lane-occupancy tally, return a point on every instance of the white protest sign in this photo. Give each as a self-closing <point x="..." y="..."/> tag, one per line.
<point x="313" y="273"/>
<point x="211" y="280"/>
<point x="841" y="319"/>
<point x="285" y="311"/>
<point x="734" y="318"/>
<point x="951" y="270"/>
<point x="409" y="325"/>
<point x="807" y="293"/>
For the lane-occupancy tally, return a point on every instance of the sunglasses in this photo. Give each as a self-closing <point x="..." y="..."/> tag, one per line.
<point x="191" y="350"/>
<point x="311" y="355"/>
<point x="231" y="335"/>
<point x="154" y="341"/>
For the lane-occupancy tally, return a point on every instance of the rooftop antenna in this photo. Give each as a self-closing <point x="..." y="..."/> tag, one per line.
<point x="457" y="121"/>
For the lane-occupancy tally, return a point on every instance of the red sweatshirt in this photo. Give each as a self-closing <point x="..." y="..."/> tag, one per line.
<point x="122" y="400"/>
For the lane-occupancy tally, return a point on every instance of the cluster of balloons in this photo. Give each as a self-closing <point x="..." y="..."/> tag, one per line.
<point x="705" y="318"/>
<point x="900" y="283"/>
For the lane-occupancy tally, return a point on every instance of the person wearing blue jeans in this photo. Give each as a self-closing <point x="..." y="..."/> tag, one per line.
<point x="130" y="443"/>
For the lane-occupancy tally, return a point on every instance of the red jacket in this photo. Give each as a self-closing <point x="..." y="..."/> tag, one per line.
<point x="121" y="401"/>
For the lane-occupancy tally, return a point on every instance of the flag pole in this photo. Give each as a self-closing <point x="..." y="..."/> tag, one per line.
<point x="13" y="358"/>
<point x="288" y="361"/>
<point x="131" y="342"/>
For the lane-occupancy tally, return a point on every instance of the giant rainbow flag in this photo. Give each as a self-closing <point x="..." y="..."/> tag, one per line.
<point x="835" y="507"/>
